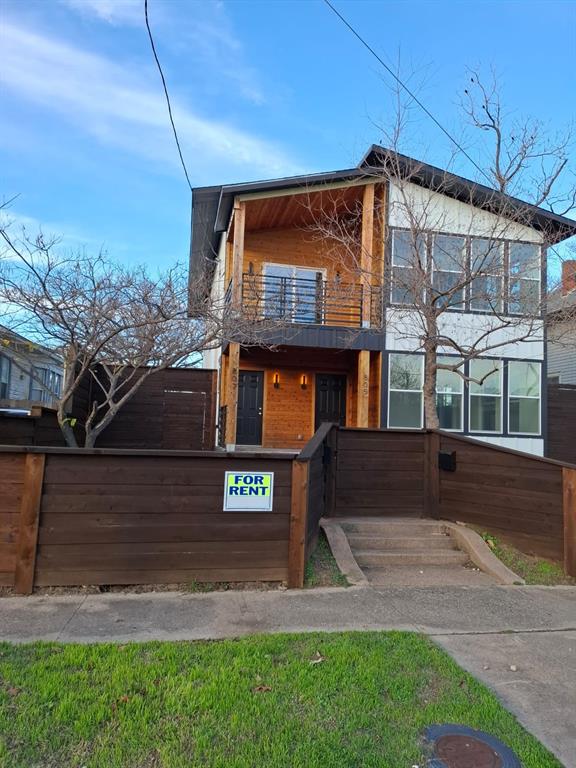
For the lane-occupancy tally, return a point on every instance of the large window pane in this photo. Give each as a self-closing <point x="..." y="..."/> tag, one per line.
<point x="525" y="415"/>
<point x="408" y="253"/>
<point x="405" y="410"/>
<point x="524" y="278"/>
<point x="485" y="414"/>
<point x="4" y="376"/>
<point x="524" y="296"/>
<point x="449" y="263"/>
<point x="524" y="378"/>
<point x="486" y="256"/>
<point x="449" y="409"/>
<point x="487" y="372"/>
<point x="525" y="260"/>
<point x="406" y="372"/>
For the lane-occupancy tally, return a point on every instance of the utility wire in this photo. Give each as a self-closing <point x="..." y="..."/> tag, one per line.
<point x="165" y="93"/>
<point x="405" y="87"/>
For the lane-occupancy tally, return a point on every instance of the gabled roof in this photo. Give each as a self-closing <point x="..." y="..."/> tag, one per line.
<point x="212" y="206"/>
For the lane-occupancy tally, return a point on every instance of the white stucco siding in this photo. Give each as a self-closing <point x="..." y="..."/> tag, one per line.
<point x="437" y="212"/>
<point x="534" y="445"/>
<point x="404" y="330"/>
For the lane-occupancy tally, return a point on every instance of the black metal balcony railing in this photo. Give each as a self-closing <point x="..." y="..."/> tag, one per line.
<point x="301" y="300"/>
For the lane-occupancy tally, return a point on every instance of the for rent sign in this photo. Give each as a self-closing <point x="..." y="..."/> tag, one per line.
<point x="248" y="491"/>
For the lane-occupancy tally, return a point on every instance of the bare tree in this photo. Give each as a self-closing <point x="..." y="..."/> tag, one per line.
<point x="114" y="324"/>
<point x="492" y="267"/>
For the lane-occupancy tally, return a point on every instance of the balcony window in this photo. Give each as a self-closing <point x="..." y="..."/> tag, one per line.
<point x="485" y="395"/>
<point x="487" y="271"/>
<point x="449" y="264"/>
<point x="408" y="266"/>
<point x="405" y="400"/>
<point x="293" y="293"/>
<point x="4" y="376"/>
<point x="524" y="397"/>
<point x="525" y="276"/>
<point x="449" y="396"/>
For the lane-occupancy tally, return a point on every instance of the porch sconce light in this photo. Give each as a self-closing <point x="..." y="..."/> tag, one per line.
<point x="303" y="381"/>
<point x="276" y="380"/>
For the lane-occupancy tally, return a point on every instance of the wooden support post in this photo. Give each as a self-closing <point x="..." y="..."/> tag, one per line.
<point x="366" y="252"/>
<point x="431" y="475"/>
<point x="29" y="522"/>
<point x="330" y="489"/>
<point x="363" y="396"/>
<point x="238" y="254"/>
<point x="298" y="521"/>
<point x="569" y="504"/>
<point x="233" y="371"/>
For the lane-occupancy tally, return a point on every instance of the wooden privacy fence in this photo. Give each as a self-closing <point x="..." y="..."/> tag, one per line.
<point x="561" y="427"/>
<point x="103" y="516"/>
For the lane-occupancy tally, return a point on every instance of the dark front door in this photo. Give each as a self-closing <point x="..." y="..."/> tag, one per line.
<point x="330" y="399"/>
<point x="250" y="400"/>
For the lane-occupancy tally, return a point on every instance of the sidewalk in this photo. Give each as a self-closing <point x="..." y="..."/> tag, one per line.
<point x="487" y="629"/>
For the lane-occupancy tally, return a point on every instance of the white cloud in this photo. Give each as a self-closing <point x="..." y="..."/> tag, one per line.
<point x="67" y="235"/>
<point x="117" y="107"/>
<point x="116" y="12"/>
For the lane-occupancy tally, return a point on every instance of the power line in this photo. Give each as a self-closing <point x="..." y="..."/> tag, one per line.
<point x="165" y="93"/>
<point x="405" y="87"/>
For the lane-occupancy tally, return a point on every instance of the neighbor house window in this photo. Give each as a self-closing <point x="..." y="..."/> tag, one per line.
<point x="449" y="396"/>
<point x="487" y="272"/>
<point x="45" y="385"/>
<point x="406" y="378"/>
<point x="524" y="259"/>
<point x="449" y="264"/>
<point x="293" y="293"/>
<point x="4" y="376"/>
<point x="485" y="395"/>
<point x="524" y="397"/>
<point x="408" y="266"/>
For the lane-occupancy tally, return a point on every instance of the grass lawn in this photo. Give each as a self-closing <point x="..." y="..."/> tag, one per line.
<point x="534" y="570"/>
<point x="296" y="701"/>
<point x="321" y="569"/>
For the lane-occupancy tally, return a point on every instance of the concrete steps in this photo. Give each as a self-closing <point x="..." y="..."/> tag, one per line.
<point x="404" y="551"/>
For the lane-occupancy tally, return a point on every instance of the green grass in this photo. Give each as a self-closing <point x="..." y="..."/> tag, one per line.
<point x="534" y="570"/>
<point x="321" y="569"/>
<point x="247" y="703"/>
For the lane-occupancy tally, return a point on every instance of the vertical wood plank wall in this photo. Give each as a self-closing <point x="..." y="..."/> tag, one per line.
<point x="11" y="488"/>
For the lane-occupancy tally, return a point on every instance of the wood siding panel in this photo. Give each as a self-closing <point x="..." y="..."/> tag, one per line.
<point x="379" y="473"/>
<point x="134" y="519"/>
<point x="11" y="486"/>
<point x="513" y="495"/>
<point x="562" y="422"/>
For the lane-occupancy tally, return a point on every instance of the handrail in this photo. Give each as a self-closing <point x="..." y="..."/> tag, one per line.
<point x="315" y="441"/>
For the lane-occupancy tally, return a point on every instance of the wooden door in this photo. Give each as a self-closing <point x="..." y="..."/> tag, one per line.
<point x="250" y="402"/>
<point x="330" y="399"/>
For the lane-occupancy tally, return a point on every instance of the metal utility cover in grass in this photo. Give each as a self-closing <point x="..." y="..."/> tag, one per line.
<point x="457" y="746"/>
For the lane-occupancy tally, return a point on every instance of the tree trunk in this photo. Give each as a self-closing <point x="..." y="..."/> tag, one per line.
<point x="430" y="372"/>
<point x="66" y="429"/>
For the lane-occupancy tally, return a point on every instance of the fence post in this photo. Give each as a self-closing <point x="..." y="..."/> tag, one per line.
<point x="431" y="474"/>
<point x="27" y="544"/>
<point x="332" y="444"/>
<point x="298" y="518"/>
<point x="569" y="505"/>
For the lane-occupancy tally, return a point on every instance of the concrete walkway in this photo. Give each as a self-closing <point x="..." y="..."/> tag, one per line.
<point x="488" y="630"/>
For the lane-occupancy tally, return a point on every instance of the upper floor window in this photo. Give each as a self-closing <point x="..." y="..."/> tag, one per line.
<point x="524" y="397"/>
<point x="449" y="396"/>
<point x="4" y="376"/>
<point x="408" y="266"/>
<point x="45" y="385"/>
<point x="449" y="265"/>
<point x="485" y="395"/>
<point x="487" y="275"/>
<point x="524" y="267"/>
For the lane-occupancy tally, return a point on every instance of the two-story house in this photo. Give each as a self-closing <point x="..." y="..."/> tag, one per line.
<point x="30" y="374"/>
<point x="340" y="353"/>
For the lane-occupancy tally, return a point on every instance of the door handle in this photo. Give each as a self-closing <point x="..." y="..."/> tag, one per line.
<point x="259" y="411"/>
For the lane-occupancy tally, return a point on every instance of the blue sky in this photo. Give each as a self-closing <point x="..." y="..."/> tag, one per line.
<point x="259" y="89"/>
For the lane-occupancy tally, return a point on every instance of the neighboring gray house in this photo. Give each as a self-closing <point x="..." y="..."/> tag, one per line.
<point x="562" y="328"/>
<point x="29" y="373"/>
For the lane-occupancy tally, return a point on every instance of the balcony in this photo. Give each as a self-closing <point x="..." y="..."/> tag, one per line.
<point x="310" y="301"/>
